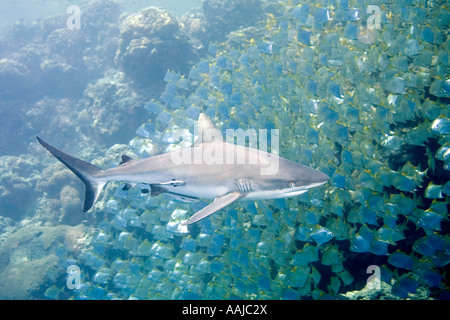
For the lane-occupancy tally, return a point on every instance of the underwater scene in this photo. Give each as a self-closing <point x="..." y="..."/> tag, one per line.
<point x="349" y="98"/>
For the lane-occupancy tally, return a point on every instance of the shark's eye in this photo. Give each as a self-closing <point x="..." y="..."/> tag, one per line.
<point x="291" y="184"/>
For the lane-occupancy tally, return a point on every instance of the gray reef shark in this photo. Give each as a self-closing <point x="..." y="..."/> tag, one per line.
<point x="210" y="169"/>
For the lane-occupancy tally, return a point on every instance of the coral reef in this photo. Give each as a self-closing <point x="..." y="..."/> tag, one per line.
<point x="109" y="108"/>
<point x="18" y="177"/>
<point x="150" y="43"/>
<point x="383" y="291"/>
<point x="223" y="16"/>
<point x="50" y="61"/>
<point x="218" y="20"/>
<point x="27" y="258"/>
<point x="13" y="79"/>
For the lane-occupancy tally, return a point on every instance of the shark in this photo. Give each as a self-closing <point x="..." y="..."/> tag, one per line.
<point x="211" y="168"/>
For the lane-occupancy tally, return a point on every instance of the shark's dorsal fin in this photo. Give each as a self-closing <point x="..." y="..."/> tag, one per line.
<point x="125" y="159"/>
<point x="207" y="131"/>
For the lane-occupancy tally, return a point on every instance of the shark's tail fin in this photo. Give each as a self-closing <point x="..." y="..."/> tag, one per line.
<point x="88" y="173"/>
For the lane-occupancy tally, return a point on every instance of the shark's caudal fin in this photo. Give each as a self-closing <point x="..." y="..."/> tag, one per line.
<point x="88" y="173"/>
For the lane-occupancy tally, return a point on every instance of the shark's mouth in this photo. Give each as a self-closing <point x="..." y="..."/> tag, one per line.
<point x="299" y="190"/>
<point x="292" y="193"/>
<point x="283" y="193"/>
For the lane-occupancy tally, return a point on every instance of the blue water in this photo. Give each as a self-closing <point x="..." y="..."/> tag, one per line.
<point x="359" y="90"/>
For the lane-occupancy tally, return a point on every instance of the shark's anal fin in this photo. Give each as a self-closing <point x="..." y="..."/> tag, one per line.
<point x="128" y="186"/>
<point x="156" y="190"/>
<point x="216" y="205"/>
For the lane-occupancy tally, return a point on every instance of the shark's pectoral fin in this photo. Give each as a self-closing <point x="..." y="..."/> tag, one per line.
<point x="216" y="205"/>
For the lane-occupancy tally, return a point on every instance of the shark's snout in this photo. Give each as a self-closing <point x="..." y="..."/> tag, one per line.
<point x="322" y="177"/>
<point x="311" y="177"/>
